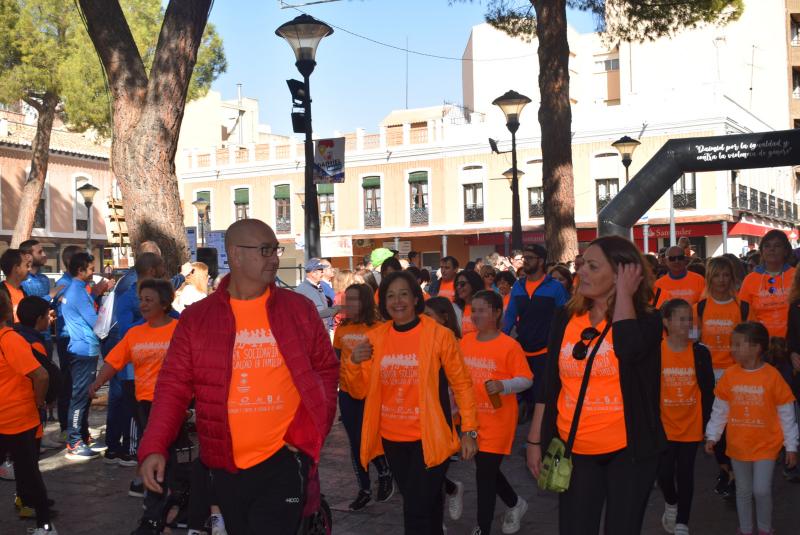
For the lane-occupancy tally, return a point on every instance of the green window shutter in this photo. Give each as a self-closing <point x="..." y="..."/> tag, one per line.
<point x="371" y="182"/>
<point x="419" y="176"/>
<point x="241" y="196"/>
<point x="323" y="189"/>
<point x="282" y="191"/>
<point x="204" y="195"/>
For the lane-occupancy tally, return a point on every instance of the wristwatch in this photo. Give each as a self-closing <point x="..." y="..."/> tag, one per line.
<point x="472" y="434"/>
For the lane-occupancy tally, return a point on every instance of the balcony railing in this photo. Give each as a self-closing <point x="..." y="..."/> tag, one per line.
<point x="772" y="208"/>
<point x="603" y="200"/>
<point x="763" y="205"/>
<point x="419" y="216"/>
<point x="283" y="225"/>
<point x="683" y="200"/>
<point x="536" y="209"/>
<point x="372" y="218"/>
<point x="473" y="213"/>
<point x="741" y="199"/>
<point x="753" y="200"/>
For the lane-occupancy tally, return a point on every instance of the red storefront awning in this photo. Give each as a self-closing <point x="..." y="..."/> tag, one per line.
<point x="743" y="228"/>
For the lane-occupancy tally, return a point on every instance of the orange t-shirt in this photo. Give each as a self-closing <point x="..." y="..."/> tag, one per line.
<point x="18" y="411"/>
<point x="601" y="427"/>
<point x="262" y="399"/>
<point x="753" y="428"/>
<point x="681" y="411"/>
<point x="345" y="338"/>
<point x="506" y="300"/>
<point x="689" y="288"/>
<point x="144" y="346"/>
<point x="466" y="321"/>
<point x="16" y="296"/>
<point x="768" y="296"/>
<point x="447" y="289"/>
<point x="718" y="322"/>
<point x="399" y="377"/>
<point x="501" y="358"/>
<point x="530" y="286"/>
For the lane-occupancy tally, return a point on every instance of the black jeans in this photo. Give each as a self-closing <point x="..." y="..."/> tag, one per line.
<point x="491" y="482"/>
<point x="537" y="365"/>
<point x="24" y="450"/>
<point x="201" y="498"/>
<point x="352" y="413"/>
<point x="420" y="486"/>
<point x="65" y="391"/>
<point x="677" y="464"/>
<point x="266" y="498"/>
<point x="614" y="480"/>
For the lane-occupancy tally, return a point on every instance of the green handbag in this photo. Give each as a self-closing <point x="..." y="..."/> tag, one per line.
<point x="557" y="462"/>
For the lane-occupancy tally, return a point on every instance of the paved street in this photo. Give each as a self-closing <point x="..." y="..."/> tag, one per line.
<point x="92" y="498"/>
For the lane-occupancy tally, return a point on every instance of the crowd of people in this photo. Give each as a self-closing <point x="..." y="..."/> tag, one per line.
<point x="621" y="366"/>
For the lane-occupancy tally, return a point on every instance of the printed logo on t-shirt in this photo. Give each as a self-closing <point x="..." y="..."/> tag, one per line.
<point x="605" y="366"/>
<point x="400" y="371"/>
<point x="254" y="351"/>
<point x="481" y="370"/>
<point x="352" y="340"/>
<point x="680" y="382"/>
<point x="748" y="396"/>
<point x="147" y="351"/>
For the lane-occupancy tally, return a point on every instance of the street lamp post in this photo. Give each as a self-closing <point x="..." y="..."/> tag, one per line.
<point x="202" y="209"/>
<point x="511" y="104"/>
<point x="88" y="191"/>
<point x="625" y="146"/>
<point x="304" y="34"/>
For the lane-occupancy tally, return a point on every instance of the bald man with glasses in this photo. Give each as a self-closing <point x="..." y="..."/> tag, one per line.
<point x="260" y="365"/>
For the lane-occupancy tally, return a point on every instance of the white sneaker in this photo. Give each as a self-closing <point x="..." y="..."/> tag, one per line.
<point x="513" y="516"/>
<point x="49" y="529"/>
<point x="217" y="525"/>
<point x="455" y="502"/>
<point x="476" y="531"/>
<point x="7" y="471"/>
<point x="681" y="529"/>
<point x="669" y="517"/>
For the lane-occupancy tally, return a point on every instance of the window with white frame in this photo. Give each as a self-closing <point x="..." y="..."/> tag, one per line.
<point x="283" y="209"/>
<point x="473" y="203"/>
<point x="607" y="189"/>
<point x="241" y="201"/>
<point x="372" y="201"/>
<point x="418" y="201"/>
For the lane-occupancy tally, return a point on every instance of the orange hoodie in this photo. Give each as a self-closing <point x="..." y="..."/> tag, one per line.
<point x="438" y="348"/>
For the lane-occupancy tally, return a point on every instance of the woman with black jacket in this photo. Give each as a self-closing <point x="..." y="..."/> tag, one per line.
<point x="619" y="435"/>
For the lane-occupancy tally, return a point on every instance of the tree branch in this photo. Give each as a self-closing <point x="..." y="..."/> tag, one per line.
<point x="116" y="47"/>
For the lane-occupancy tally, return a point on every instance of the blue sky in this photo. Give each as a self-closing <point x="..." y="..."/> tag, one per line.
<point x="356" y="82"/>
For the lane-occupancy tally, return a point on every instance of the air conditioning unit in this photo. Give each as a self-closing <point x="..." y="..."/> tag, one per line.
<point x="363" y="243"/>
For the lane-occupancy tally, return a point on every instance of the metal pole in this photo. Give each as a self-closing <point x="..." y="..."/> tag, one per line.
<point x="724" y="237"/>
<point x="627" y="163"/>
<point x="516" y="217"/>
<point x="646" y="236"/>
<point x="506" y="243"/>
<point x="396" y="243"/>
<point x="312" y="246"/>
<point x="672" y="238"/>
<point x="88" y="226"/>
<point x="202" y="230"/>
<point x="444" y="245"/>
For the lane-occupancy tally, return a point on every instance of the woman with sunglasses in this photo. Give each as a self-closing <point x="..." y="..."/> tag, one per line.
<point x="619" y="432"/>
<point x="767" y="288"/>
<point x="407" y="364"/>
<point x="468" y="283"/>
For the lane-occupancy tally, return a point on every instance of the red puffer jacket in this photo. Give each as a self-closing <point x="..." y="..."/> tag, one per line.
<point x="199" y="364"/>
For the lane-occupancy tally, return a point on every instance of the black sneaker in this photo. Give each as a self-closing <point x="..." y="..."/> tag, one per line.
<point x="361" y="501"/>
<point x="110" y="457"/>
<point x="722" y="482"/>
<point x="125" y="459"/>
<point x="136" y="490"/>
<point x="730" y="490"/>
<point x="385" y="488"/>
<point x="147" y="527"/>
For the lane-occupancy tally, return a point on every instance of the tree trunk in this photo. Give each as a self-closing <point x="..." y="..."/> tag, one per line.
<point x="34" y="183"/>
<point x="147" y="115"/>
<point x="555" y="118"/>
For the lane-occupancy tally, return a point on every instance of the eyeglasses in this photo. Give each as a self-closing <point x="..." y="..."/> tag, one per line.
<point x="266" y="250"/>
<point x="582" y="348"/>
<point x="678" y="258"/>
<point x="530" y="258"/>
<point x="461" y="284"/>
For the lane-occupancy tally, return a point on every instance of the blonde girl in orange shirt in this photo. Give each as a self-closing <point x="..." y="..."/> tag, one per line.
<point x="687" y="393"/>
<point x="756" y="407"/>
<point x="499" y="371"/>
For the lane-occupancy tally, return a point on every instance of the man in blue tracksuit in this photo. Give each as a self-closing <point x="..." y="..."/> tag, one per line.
<point x="531" y="308"/>
<point x="80" y="315"/>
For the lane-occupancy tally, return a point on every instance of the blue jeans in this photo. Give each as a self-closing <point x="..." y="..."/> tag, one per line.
<point x="351" y="411"/>
<point x="84" y="370"/>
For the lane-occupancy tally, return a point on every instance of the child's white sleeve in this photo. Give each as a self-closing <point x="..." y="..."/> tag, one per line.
<point x="719" y="417"/>
<point x="789" y="426"/>
<point x="516" y="385"/>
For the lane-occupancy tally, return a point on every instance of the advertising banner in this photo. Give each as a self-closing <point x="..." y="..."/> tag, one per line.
<point x="329" y="160"/>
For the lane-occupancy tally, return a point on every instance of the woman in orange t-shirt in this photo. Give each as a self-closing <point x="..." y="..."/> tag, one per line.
<point x="360" y="317"/>
<point x="467" y="283"/>
<point x="687" y="393"/>
<point x="756" y="407"/>
<point x="499" y="371"/>
<point x="619" y="431"/>
<point x="407" y="365"/>
<point x="23" y="385"/>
